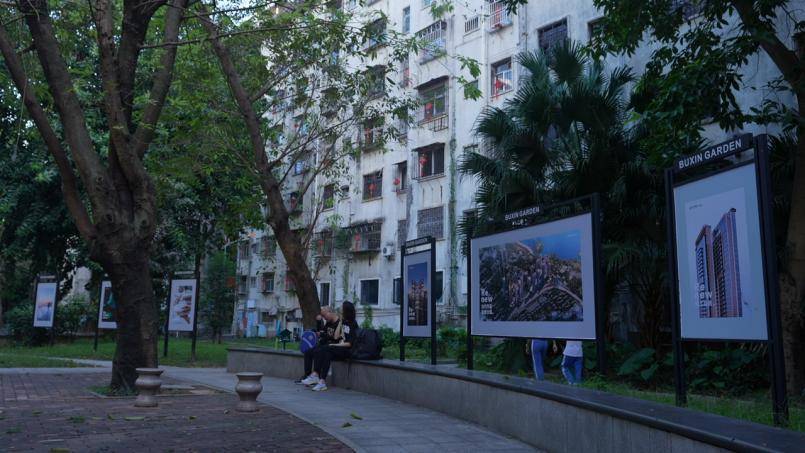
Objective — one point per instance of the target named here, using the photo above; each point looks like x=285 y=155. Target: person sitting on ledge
x=328 y=330
x=339 y=350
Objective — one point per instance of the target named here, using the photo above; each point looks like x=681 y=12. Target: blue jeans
x=539 y=349
x=571 y=368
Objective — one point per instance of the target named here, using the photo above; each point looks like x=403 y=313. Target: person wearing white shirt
x=572 y=362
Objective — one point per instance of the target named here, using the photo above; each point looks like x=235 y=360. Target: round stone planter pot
x=248 y=388
x=148 y=383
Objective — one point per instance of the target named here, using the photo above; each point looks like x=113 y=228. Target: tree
x=218 y=296
x=297 y=108
x=119 y=219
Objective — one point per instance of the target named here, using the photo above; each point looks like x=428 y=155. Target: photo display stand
x=560 y=276
x=105 y=297
x=721 y=256
x=181 y=310
x=46 y=300
x=417 y=277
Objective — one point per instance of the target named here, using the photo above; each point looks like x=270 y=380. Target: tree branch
x=72 y=197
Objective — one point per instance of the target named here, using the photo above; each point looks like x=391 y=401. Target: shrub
x=20 y=325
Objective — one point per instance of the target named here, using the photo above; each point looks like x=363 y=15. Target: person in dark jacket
x=338 y=350
x=328 y=328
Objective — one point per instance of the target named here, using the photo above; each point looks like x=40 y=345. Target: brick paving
x=57 y=413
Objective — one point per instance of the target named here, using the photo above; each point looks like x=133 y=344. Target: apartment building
x=409 y=189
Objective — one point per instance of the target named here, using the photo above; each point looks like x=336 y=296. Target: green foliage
x=20 y=326
x=368 y=317
x=731 y=370
x=217 y=296
x=73 y=314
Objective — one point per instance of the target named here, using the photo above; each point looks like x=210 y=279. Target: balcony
x=433 y=41
x=435 y=123
x=365 y=238
x=499 y=16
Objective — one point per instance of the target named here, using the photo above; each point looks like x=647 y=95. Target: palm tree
x=566 y=133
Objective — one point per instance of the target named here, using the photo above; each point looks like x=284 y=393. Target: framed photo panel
x=182 y=305
x=45 y=304
x=535 y=282
x=417 y=294
x=719 y=252
x=108 y=305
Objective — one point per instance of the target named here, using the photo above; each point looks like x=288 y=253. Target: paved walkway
x=365 y=422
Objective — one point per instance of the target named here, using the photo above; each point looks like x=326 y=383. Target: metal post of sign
x=469 y=307
x=402 y=303
x=55 y=306
x=773 y=316
x=167 y=316
x=197 y=276
x=673 y=282
x=600 y=308
x=432 y=278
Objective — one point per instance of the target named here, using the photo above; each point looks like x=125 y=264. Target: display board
x=45 y=304
x=181 y=312
x=417 y=295
x=535 y=282
x=108 y=306
x=720 y=258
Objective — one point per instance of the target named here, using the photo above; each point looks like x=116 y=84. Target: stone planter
x=248 y=388
x=148 y=383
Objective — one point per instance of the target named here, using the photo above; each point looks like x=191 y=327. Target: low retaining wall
x=548 y=416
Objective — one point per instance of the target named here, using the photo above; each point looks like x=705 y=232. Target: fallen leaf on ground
x=192 y=417
x=37 y=412
x=133 y=418
x=356 y=416
x=346 y=425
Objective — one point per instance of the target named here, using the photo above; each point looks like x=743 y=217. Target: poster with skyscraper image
x=719 y=257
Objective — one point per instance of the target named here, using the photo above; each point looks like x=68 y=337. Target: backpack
x=308 y=341
x=367 y=345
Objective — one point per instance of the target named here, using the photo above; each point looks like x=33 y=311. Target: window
x=502 y=77
x=594 y=29
x=406 y=20
x=405 y=74
x=499 y=15
x=252 y=282
x=427 y=3
x=243 y=250
x=328 y=196
x=470 y=149
x=372 y=135
x=268 y=282
x=395 y=296
x=375 y=34
x=430 y=222
x=269 y=246
x=243 y=285
x=434 y=101
x=253 y=251
x=369 y=291
x=430 y=160
x=373 y=185
x=323 y=244
x=400 y=177
x=324 y=294
x=376 y=78
x=300 y=166
x=365 y=237
x=266 y=317
x=472 y=24
x=433 y=40
x=438 y=287
x=402 y=231
x=552 y=35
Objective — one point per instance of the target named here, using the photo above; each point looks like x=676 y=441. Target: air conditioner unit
x=388 y=250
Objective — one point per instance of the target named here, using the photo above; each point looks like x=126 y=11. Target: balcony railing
x=472 y=24
x=434 y=41
x=499 y=16
x=435 y=123
x=365 y=238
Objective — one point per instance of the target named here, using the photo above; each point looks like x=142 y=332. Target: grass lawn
x=208 y=353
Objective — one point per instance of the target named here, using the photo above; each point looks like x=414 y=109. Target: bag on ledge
x=368 y=345
x=309 y=341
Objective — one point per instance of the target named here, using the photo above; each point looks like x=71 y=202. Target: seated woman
x=339 y=350
x=328 y=330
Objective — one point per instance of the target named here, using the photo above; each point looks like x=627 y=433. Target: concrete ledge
x=549 y=416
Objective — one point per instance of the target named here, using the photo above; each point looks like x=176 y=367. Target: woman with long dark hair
x=339 y=350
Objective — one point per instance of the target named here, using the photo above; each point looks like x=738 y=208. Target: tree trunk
x=792 y=279
x=292 y=249
x=137 y=318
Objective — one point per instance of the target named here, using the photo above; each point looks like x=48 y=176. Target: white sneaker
x=320 y=387
x=310 y=380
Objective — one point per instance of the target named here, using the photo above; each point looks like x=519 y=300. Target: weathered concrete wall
x=548 y=416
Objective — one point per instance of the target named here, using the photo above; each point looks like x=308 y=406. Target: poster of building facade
x=182 y=305
x=535 y=282
x=719 y=257
x=417 y=294
x=45 y=304
x=108 y=305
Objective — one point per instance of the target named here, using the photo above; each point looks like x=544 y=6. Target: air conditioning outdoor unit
x=388 y=250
